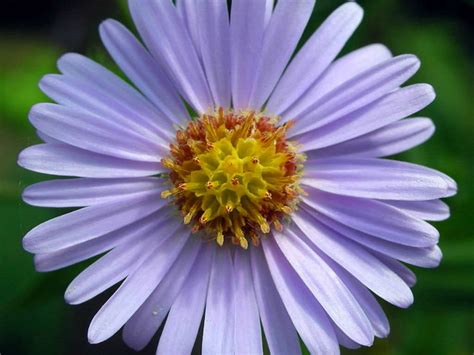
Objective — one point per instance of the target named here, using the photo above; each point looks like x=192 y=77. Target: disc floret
x=234 y=175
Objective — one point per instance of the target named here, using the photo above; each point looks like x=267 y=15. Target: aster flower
x=271 y=203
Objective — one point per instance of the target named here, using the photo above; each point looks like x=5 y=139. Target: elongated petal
x=280 y=333
x=281 y=37
x=315 y=56
x=90 y=222
x=86 y=96
x=167 y=38
x=83 y=192
x=340 y=71
x=248 y=341
x=143 y=70
x=113 y=267
x=326 y=287
x=423 y=257
x=377 y=178
x=398 y=104
x=136 y=288
x=64 y=160
x=356 y=260
x=188 y=11
x=247 y=28
x=392 y=139
x=431 y=210
x=219 y=320
x=401 y=270
x=184 y=318
x=358 y=92
x=367 y=301
x=309 y=318
x=95 y=133
x=88 y=71
x=374 y=218
x=214 y=42
x=82 y=251
x=139 y=330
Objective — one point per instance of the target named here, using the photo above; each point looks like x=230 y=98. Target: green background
x=33 y=316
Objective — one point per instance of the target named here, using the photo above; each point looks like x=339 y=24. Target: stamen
x=235 y=175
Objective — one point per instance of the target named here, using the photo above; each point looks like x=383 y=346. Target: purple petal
x=214 y=41
x=188 y=11
x=280 y=333
x=309 y=318
x=83 y=192
x=83 y=95
x=344 y=340
x=90 y=222
x=82 y=251
x=392 y=139
x=338 y=73
x=65 y=160
x=219 y=320
x=88 y=71
x=355 y=259
x=136 y=288
x=367 y=301
x=139 y=330
x=316 y=55
x=182 y=325
x=143 y=70
x=431 y=210
x=95 y=133
x=401 y=270
x=357 y=92
x=390 y=108
x=269 y=4
x=247 y=28
x=114 y=267
x=377 y=178
x=326 y=287
x=167 y=38
x=423 y=257
x=45 y=138
x=281 y=37
x=374 y=218
x=247 y=335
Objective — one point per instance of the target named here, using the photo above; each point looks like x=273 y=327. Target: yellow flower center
x=234 y=175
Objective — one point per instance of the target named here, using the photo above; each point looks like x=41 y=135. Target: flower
x=271 y=202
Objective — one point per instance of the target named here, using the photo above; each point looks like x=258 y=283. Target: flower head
x=271 y=205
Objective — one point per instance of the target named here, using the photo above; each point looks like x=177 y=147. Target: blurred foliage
x=33 y=316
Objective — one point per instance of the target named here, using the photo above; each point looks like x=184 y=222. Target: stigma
x=234 y=175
